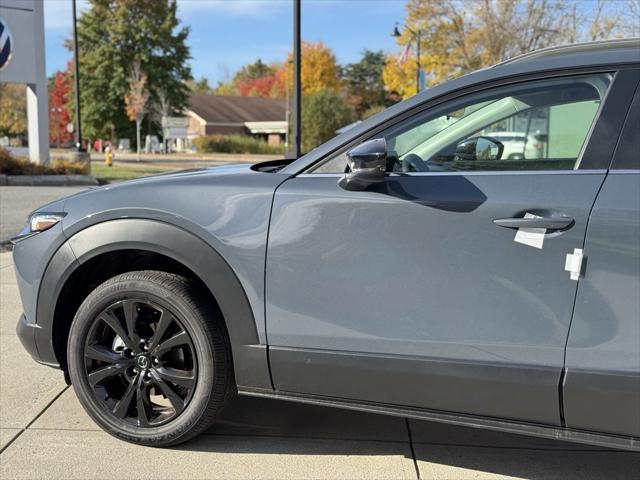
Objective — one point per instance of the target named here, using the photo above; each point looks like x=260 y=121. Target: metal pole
x=77 y=78
x=297 y=90
x=418 y=61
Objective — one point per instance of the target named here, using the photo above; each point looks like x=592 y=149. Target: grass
x=120 y=173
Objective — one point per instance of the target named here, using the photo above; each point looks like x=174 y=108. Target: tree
x=112 y=35
x=460 y=36
x=13 y=109
x=61 y=106
x=323 y=113
x=364 y=84
x=199 y=86
x=136 y=99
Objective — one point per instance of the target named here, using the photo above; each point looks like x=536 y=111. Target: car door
x=602 y=384
x=408 y=293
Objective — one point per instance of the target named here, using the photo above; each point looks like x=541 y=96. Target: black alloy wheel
x=140 y=362
x=149 y=358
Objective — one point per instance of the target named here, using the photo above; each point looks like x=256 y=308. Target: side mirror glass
x=367 y=165
x=479 y=148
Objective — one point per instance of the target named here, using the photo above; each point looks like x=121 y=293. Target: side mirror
x=367 y=164
x=479 y=148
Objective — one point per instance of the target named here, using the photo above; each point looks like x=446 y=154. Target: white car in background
x=519 y=145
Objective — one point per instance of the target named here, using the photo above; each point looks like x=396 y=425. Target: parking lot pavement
x=17 y=202
x=44 y=433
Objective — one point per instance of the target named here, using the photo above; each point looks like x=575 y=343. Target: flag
x=404 y=55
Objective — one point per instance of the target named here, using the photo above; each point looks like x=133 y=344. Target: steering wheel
x=416 y=162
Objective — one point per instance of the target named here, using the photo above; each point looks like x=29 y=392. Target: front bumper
x=30 y=334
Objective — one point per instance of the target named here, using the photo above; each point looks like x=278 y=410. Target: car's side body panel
x=409 y=294
x=214 y=224
x=602 y=385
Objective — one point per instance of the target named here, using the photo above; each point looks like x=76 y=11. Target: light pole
x=297 y=90
x=417 y=36
x=76 y=78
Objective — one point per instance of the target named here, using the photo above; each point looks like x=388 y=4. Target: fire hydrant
x=108 y=157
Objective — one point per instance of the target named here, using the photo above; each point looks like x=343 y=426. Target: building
x=263 y=118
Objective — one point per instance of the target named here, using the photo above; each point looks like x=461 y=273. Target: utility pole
x=76 y=79
x=297 y=90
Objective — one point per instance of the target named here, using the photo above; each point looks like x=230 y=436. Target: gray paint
x=226 y=207
x=419 y=269
x=602 y=386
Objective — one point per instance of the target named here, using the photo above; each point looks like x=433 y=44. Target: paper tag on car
x=533 y=237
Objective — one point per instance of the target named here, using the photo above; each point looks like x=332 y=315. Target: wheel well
x=98 y=270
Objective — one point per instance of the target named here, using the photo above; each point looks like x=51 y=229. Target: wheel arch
x=112 y=247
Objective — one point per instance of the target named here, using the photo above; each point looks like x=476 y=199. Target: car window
x=538 y=125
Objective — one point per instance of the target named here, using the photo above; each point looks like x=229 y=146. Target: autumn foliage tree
x=60 y=106
x=459 y=36
x=13 y=110
x=136 y=99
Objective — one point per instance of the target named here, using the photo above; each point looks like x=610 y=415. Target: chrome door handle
x=551 y=223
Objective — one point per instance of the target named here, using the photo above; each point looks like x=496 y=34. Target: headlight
x=44 y=221
x=38 y=222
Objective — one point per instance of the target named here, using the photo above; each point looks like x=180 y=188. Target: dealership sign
x=6 y=44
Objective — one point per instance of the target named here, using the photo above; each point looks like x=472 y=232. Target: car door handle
x=550 y=223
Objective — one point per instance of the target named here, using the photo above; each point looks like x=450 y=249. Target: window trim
x=623 y=76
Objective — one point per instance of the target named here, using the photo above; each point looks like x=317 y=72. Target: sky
x=227 y=34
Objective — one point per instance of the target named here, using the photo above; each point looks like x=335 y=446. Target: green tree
x=323 y=112
x=364 y=84
x=112 y=35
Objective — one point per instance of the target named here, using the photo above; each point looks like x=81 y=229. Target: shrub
x=10 y=165
x=235 y=144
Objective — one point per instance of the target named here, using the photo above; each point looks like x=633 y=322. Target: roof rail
x=573 y=48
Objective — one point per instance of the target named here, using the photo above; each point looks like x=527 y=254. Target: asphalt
x=45 y=434
x=17 y=202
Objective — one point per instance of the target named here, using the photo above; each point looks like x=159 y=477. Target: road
x=17 y=202
x=44 y=433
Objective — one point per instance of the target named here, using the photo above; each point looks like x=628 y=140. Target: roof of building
x=223 y=109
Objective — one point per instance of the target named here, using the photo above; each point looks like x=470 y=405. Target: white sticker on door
x=533 y=237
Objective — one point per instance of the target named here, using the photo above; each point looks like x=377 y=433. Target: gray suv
x=405 y=267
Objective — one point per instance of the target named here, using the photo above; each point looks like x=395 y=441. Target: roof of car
x=615 y=50
x=567 y=57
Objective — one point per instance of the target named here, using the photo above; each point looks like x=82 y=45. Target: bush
x=10 y=165
x=235 y=144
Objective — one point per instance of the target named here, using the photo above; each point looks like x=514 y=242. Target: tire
x=174 y=383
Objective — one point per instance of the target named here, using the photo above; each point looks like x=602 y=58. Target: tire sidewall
x=177 y=302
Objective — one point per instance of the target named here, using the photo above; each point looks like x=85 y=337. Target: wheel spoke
x=143 y=403
x=163 y=323
x=176 y=400
x=122 y=407
x=110 y=319
x=130 y=316
x=178 y=339
x=103 y=373
x=184 y=378
x=101 y=353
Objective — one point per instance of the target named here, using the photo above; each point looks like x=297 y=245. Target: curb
x=47 y=180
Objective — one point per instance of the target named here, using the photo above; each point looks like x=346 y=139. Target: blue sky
x=226 y=34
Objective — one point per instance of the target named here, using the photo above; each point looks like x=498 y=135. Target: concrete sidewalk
x=44 y=433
